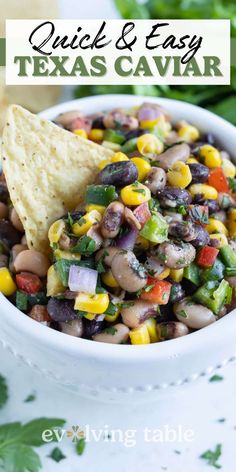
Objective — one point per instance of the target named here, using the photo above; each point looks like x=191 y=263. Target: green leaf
x=30 y=398
x=31 y=433
x=80 y=446
x=3 y=392
x=216 y=378
x=19 y=458
x=212 y=456
x=131 y=9
x=57 y=455
x=86 y=246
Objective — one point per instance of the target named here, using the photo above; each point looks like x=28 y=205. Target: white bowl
x=119 y=372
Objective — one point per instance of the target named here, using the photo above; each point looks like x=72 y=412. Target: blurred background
x=219 y=99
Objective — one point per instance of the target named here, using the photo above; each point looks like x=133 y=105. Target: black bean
x=202 y=237
x=9 y=234
x=75 y=215
x=184 y=230
x=92 y=327
x=4 y=194
x=199 y=173
x=98 y=122
x=176 y=293
x=173 y=197
x=213 y=205
x=119 y=174
x=209 y=138
x=135 y=133
x=61 y=310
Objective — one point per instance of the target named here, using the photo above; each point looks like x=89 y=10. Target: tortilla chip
x=47 y=170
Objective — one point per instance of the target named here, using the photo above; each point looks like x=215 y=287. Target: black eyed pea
x=119 y=118
x=66 y=118
x=154 y=266
x=112 y=220
x=115 y=334
x=171 y=197
x=172 y=330
x=202 y=237
x=135 y=313
x=32 y=261
x=15 y=220
x=106 y=255
x=176 y=255
x=14 y=253
x=156 y=179
x=193 y=315
x=3 y=210
x=128 y=272
x=73 y=327
x=95 y=234
x=179 y=152
x=119 y=174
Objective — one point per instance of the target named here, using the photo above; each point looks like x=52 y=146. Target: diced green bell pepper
x=230 y=271
x=155 y=229
x=100 y=194
x=192 y=273
x=214 y=295
x=21 y=300
x=129 y=146
x=228 y=256
x=114 y=136
x=216 y=272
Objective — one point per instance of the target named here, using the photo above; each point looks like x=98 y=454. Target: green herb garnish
x=85 y=246
x=3 y=392
x=212 y=456
x=216 y=378
x=110 y=330
x=57 y=455
x=30 y=398
x=80 y=446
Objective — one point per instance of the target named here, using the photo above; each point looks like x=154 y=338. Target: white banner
x=139 y=52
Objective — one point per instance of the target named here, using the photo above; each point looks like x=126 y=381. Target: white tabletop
x=194 y=411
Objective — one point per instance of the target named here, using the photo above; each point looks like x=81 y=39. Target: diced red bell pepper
x=142 y=213
x=207 y=256
x=159 y=293
x=29 y=283
x=218 y=180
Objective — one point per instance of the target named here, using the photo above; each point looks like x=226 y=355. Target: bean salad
x=150 y=253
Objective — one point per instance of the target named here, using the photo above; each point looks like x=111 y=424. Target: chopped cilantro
x=110 y=330
x=181 y=313
x=57 y=455
x=86 y=246
x=80 y=446
x=30 y=398
x=212 y=456
x=3 y=392
x=216 y=378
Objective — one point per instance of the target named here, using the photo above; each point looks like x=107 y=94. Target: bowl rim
x=72 y=345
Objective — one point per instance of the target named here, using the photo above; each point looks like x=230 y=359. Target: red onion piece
x=82 y=279
x=142 y=213
x=127 y=241
x=147 y=112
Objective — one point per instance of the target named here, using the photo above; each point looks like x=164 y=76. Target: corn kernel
x=56 y=230
x=112 y=318
x=142 y=242
x=164 y=274
x=135 y=194
x=92 y=206
x=232 y=223
x=207 y=192
x=188 y=133
x=149 y=144
x=143 y=167
x=151 y=325
x=108 y=279
x=96 y=134
x=112 y=146
x=84 y=224
x=7 y=284
x=192 y=160
x=229 y=168
x=210 y=156
x=140 y=335
x=97 y=303
x=179 y=175
x=216 y=226
x=54 y=284
x=81 y=132
x=90 y=316
x=119 y=157
x=223 y=241
x=176 y=275
x=103 y=164
x=147 y=124
x=59 y=254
